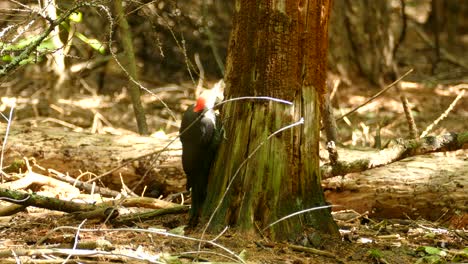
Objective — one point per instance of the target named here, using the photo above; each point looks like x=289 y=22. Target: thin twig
x=413 y=129
x=34 y=44
x=376 y=95
x=111 y=25
x=254 y=98
x=75 y=242
x=463 y=88
x=9 y=120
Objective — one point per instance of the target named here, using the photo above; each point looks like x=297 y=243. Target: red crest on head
x=200 y=105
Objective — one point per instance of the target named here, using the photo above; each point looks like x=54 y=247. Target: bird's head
x=206 y=100
x=200 y=105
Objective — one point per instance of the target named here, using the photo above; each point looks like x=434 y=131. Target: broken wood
x=431 y=186
x=85 y=156
x=400 y=150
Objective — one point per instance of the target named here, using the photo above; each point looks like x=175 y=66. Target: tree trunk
x=279 y=50
x=130 y=68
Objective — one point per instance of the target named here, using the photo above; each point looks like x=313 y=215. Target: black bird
x=198 y=134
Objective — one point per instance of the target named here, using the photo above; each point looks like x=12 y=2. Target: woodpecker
x=199 y=134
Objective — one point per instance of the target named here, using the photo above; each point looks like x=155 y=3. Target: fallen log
x=144 y=163
x=431 y=186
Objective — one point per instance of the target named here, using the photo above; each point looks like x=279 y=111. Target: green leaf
x=178 y=230
x=6 y=58
x=76 y=17
x=375 y=253
x=243 y=254
x=432 y=250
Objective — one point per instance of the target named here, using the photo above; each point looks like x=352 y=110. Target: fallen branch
x=430 y=186
x=401 y=150
x=41 y=201
x=375 y=96
x=130 y=219
x=88 y=187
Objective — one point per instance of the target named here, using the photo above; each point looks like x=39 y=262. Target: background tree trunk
x=130 y=68
x=276 y=50
x=361 y=39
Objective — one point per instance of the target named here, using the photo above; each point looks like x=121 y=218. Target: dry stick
x=413 y=130
x=335 y=86
x=9 y=119
x=300 y=122
x=316 y=252
x=74 y=252
x=23 y=5
x=75 y=242
x=186 y=253
x=166 y=148
x=449 y=109
x=82 y=185
x=375 y=96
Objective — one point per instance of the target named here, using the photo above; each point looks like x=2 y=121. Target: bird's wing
x=207 y=129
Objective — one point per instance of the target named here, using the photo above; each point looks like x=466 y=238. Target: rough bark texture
x=276 y=49
x=361 y=39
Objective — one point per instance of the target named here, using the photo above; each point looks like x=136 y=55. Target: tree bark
x=278 y=50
